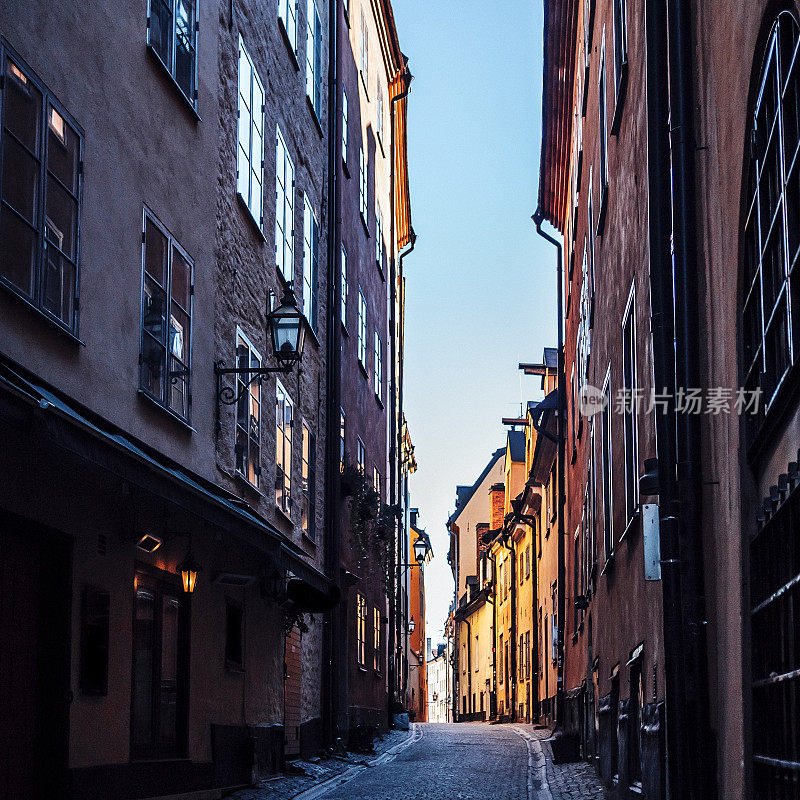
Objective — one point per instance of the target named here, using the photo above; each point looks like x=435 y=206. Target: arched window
x=771 y=287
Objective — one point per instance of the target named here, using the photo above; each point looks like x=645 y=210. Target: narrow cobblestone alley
x=469 y=761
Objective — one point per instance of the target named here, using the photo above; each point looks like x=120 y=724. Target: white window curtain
x=284 y=210
x=250 y=161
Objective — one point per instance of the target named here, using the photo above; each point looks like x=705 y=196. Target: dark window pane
x=58 y=290
x=17 y=251
x=63 y=150
x=161 y=29
x=20 y=179
x=62 y=218
x=155 y=252
x=143 y=635
x=184 y=47
x=168 y=694
x=181 y=279
x=241 y=449
x=178 y=387
x=152 y=371
x=23 y=107
x=154 y=310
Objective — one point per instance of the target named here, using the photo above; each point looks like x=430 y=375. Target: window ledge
x=633 y=524
x=191 y=107
x=364 y=82
x=240 y=479
x=344 y=330
x=362 y=668
x=608 y=567
x=313 y=334
x=601 y=214
x=288 y=43
x=345 y=167
x=622 y=89
x=363 y=369
x=51 y=320
x=236 y=669
x=379 y=401
x=249 y=214
x=308 y=540
x=284 y=514
x=148 y=398
x=364 y=223
x=314 y=116
x=379 y=137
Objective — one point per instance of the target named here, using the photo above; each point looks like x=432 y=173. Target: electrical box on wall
x=652 y=542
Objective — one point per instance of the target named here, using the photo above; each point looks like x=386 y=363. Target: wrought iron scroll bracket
x=227 y=395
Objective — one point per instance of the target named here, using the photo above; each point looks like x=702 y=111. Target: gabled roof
x=462 y=498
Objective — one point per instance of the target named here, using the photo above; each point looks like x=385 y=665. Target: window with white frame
x=378 y=235
x=310 y=264
x=376 y=639
x=308 y=478
x=362 y=329
x=344 y=127
x=606 y=463
x=343 y=298
x=167 y=289
x=250 y=161
x=589 y=254
x=376 y=483
x=362 y=183
x=287 y=13
x=172 y=34
x=284 y=209
x=361 y=628
x=248 y=412
x=314 y=59
x=41 y=196
x=361 y=456
x=630 y=393
x=620 y=44
x=378 y=366
x=364 y=51
x=602 y=132
x=284 y=415
x=379 y=112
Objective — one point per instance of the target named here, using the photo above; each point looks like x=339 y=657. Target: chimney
x=497 y=501
x=414 y=514
x=480 y=529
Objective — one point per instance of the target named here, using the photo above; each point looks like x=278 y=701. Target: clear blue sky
x=480 y=283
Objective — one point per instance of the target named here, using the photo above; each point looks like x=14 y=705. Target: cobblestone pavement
x=467 y=761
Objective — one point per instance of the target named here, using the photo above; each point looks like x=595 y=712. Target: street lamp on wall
x=188 y=570
x=287 y=333
x=421 y=549
x=411 y=625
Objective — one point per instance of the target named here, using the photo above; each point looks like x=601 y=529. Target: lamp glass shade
x=288 y=329
x=420 y=550
x=188 y=570
x=411 y=625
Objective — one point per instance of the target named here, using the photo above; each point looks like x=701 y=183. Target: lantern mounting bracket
x=227 y=395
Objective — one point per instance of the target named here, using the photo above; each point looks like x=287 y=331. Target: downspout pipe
x=331 y=635
x=395 y=469
x=512 y=677
x=697 y=782
x=538 y=218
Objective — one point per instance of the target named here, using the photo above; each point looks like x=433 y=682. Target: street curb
x=345 y=777
x=538 y=787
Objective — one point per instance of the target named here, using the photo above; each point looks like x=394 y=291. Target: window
x=527 y=655
x=344 y=288
x=361 y=457
x=553 y=639
x=314 y=59
x=364 y=51
x=376 y=640
x=603 y=135
x=589 y=254
x=95 y=629
x=342 y=428
x=344 y=127
x=521 y=658
x=361 y=611
x=308 y=478
x=376 y=483
x=160 y=657
x=346 y=4
x=378 y=366
x=500 y=658
x=310 y=264
x=771 y=279
x=635 y=717
x=606 y=457
x=379 y=112
x=620 y=48
x=362 y=329
x=250 y=164
x=378 y=236
x=248 y=413
x=521 y=568
x=172 y=35
x=234 y=635
x=362 y=184
x=42 y=152
x=630 y=389
x=284 y=413
x=528 y=561
x=167 y=288
x=287 y=14
x=284 y=209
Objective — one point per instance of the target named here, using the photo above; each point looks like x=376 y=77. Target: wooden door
x=292 y=674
